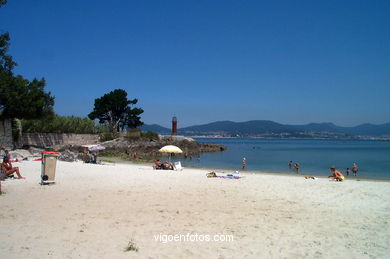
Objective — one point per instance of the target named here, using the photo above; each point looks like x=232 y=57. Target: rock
x=147 y=150
x=20 y=154
x=34 y=151
x=67 y=156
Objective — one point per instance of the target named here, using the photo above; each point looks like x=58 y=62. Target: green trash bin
x=48 y=169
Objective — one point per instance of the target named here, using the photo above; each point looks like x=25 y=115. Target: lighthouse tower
x=174 y=126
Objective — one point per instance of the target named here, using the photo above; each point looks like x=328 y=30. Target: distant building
x=174 y=126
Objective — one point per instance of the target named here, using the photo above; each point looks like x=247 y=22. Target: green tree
x=114 y=110
x=23 y=99
x=6 y=62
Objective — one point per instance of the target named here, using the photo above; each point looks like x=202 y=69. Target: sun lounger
x=178 y=166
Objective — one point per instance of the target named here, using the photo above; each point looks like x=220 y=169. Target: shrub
x=133 y=134
x=62 y=124
x=107 y=136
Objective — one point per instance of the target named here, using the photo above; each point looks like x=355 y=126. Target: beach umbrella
x=170 y=149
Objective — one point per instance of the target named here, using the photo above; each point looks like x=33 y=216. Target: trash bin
x=48 y=170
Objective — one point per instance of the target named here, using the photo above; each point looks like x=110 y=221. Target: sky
x=292 y=62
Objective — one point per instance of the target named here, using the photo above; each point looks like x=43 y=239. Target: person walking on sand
x=243 y=163
x=336 y=174
x=8 y=169
x=355 y=169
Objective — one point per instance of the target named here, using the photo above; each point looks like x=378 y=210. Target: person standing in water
x=297 y=167
x=355 y=169
x=243 y=163
x=290 y=165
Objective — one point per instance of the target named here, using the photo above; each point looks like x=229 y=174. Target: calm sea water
x=314 y=156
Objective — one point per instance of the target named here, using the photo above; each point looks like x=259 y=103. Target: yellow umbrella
x=170 y=149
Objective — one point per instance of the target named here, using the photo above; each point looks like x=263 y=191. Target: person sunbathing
x=167 y=166
x=157 y=165
x=8 y=169
x=336 y=174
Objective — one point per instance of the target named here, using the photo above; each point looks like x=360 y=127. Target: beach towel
x=229 y=177
x=211 y=174
x=234 y=175
x=310 y=177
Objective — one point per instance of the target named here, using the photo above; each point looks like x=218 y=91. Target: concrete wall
x=51 y=139
x=6 y=134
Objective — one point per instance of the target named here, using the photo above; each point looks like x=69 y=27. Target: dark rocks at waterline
x=148 y=150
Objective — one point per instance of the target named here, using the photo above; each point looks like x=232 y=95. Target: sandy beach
x=94 y=211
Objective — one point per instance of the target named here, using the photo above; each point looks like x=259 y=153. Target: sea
x=315 y=156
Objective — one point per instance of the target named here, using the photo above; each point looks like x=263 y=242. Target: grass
x=110 y=154
x=131 y=246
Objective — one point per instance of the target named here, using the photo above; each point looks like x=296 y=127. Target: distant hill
x=371 y=130
x=237 y=128
x=319 y=127
x=271 y=128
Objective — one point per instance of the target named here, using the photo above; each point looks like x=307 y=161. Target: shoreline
x=258 y=172
x=366 y=138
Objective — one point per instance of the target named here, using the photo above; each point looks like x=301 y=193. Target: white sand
x=93 y=211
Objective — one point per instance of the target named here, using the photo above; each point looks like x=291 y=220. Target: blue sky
x=292 y=62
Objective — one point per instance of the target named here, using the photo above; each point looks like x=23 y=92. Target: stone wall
x=51 y=139
x=6 y=134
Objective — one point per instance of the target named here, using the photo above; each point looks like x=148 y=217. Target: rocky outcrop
x=141 y=149
x=67 y=156
x=148 y=150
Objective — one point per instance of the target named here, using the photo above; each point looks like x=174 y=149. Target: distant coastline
x=270 y=129
x=298 y=138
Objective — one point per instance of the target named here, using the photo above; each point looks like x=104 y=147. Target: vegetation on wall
x=62 y=124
